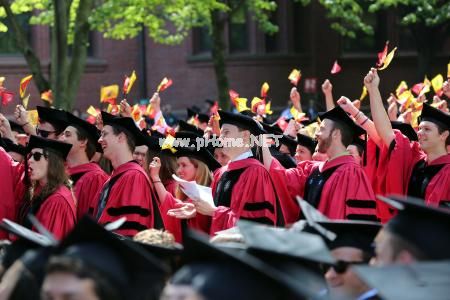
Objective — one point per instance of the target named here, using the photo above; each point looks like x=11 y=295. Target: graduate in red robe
x=178 y=210
x=128 y=192
x=52 y=200
x=87 y=177
x=419 y=169
x=242 y=189
x=338 y=187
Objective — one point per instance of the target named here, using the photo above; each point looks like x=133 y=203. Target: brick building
x=304 y=41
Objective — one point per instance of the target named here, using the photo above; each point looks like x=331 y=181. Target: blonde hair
x=203 y=177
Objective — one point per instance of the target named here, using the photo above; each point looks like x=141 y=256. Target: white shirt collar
x=368 y=294
x=244 y=155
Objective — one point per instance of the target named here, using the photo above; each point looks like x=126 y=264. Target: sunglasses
x=36 y=156
x=44 y=133
x=342 y=266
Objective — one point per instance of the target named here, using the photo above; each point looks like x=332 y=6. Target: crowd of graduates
x=349 y=205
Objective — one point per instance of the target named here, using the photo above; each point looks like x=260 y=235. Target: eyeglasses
x=36 y=156
x=44 y=133
x=342 y=266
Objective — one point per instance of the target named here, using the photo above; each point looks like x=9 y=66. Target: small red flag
x=336 y=68
x=233 y=95
x=382 y=55
x=23 y=85
x=7 y=97
x=417 y=88
x=264 y=90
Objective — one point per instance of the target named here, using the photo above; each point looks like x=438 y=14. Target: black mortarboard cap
x=352 y=233
x=290 y=143
x=435 y=115
x=184 y=126
x=222 y=273
x=307 y=142
x=203 y=118
x=337 y=114
x=152 y=142
x=241 y=121
x=271 y=128
x=416 y=281
x=125 y=123
x=9 y=146
x=425 y=227
x=91 y=131
x=60 y=148
x=210 y=102
x=405 y=129
x=125 y=264
x=16 y=127
x=56 y=117
x=201 y=154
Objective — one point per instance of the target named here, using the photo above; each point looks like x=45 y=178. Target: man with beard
x=338 y=187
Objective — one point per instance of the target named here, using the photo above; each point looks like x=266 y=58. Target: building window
x=91 y=45
x=202 y=40
x=238 y=31
x=8 y=43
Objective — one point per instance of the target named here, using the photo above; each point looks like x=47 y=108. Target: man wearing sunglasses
x=52 y=122
x=353 y=245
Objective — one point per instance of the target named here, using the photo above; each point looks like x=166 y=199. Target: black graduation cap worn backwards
x=126 y=123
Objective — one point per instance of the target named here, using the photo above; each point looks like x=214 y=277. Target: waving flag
x=264 y=90
x=23 y=85
x=388 y=59
x=47 y=96
x=437 y=82
x=401 y=88
x=128 y=83
x=363 y=94
x=336 y=68
x=7 y=97
x=295 y=76
x=109 y=94
x=165 y=83
x=255 y=103
x=382 y=55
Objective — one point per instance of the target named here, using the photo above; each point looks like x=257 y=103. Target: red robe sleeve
x=253 y=197
x=348 y=194
x=438 y=190
x=11 y=188
x=173 y=225
x=170 y=186
x=57 y=213
x=87 y=189
x=132 y=197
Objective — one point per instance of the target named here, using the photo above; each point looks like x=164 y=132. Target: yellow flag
x=129 y=81
x=448 y=71
x=33 y=115
x=23 y=85
x=405 y=98
x=109 y=93
x=426 y=87
x=296 y=114
x=388 y=59
x=264 y=90
x=255 y=103
x=401 y=88
x=25 y=101
x=2 y=79
x=437 y=83
x=241 y=104
x=268 y=110
x=363 y=94
x=92 y=111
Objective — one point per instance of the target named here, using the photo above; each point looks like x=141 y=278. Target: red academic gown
x=347 y=194
x=11 y=188
x=396 y=166
x=173 y=225
x=251 y=197
x=170 y=186
x=58 y=212
x=130 y=196
x=88 y=180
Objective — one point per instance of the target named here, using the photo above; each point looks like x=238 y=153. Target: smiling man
x=128 y=193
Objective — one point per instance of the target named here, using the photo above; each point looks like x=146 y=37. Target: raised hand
x=154 y=168
x=372 y=80
x=295 y=97
x=327 y=87
x=125 y=108
x=347 y=106
x=21 y=115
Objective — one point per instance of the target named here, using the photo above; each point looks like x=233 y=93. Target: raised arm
x=23 y=120
x=361 y=119
x=154 y=168
x=327 y=89
x=379 y=115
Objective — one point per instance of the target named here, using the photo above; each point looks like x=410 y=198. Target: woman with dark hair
x=177 y=209
x=49 y=196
